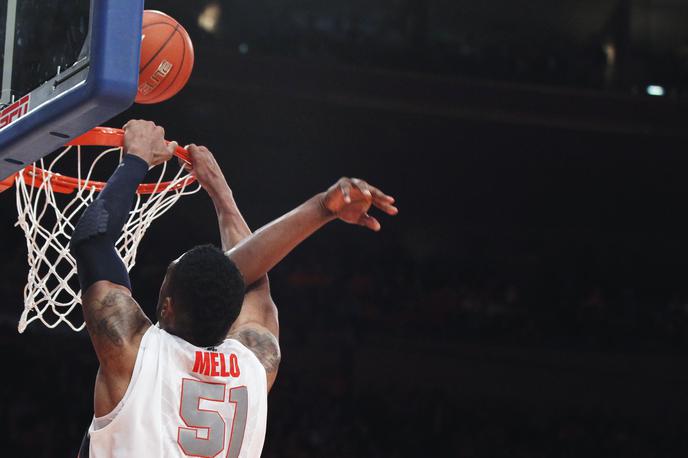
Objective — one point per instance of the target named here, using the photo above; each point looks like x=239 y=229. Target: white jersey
x=186 y=401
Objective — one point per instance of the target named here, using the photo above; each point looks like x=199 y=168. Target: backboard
x=67 y=66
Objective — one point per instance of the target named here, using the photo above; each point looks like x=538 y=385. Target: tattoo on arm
x=263 y=344
x=114 y=319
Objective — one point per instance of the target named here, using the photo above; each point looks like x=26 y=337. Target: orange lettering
x=234 y=366
x=202 y=363
x=213 y=357
x=223 y=367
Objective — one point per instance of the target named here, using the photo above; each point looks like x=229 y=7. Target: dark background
x=529 y=300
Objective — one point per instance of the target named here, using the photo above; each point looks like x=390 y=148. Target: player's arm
x=349 y=200
x=257 y=326
x=114 y=320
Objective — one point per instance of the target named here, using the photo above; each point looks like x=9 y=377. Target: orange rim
x=99 y=136
x=7 y=182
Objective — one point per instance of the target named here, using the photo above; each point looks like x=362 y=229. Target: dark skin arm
x=257 y=326
x=116 y=325
x=255 y=254
x=349 y=200
x=114 y=320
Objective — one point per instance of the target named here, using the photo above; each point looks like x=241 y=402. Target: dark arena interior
x=531 y=298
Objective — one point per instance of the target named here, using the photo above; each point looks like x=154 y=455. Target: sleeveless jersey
x=186 y=401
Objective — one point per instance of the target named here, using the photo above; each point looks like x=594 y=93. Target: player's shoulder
x=261 y=342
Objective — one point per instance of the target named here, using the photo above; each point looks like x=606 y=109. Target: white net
x=47 y=217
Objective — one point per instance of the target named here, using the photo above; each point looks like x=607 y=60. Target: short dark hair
x=207 y=289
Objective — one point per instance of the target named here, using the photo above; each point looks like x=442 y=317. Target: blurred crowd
x=46 y=401
x=335 y=299
x=384 y=292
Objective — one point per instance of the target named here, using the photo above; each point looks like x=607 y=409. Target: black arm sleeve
x=94 y=237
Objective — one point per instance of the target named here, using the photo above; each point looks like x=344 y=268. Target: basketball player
x=196 y=383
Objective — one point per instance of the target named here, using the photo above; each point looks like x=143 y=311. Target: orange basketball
x=167 y=58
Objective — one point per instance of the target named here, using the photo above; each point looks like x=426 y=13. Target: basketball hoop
x=49 y=205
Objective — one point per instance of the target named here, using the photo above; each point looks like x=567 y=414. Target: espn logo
x=156 y=78
x=14 y=111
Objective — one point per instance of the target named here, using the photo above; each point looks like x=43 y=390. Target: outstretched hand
x=350 y=199
x=147 y=141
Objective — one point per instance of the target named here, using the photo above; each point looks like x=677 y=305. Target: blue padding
x=95 y=235
x=110 y=89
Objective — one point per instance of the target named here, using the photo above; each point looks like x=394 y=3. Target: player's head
x=201 y=296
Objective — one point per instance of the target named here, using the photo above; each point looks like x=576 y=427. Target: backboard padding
x=99 y=85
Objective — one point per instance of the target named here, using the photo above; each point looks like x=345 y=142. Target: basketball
x=167 y=58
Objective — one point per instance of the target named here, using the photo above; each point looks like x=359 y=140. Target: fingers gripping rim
x=99 y=136
x=108 y=136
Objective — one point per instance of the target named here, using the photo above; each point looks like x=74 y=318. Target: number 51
x=196 y=419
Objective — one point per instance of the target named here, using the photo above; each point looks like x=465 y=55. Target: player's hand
x=147 y=141
x=349 y=199
x=206 y=170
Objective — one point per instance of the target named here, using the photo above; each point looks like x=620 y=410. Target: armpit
x=263 y=344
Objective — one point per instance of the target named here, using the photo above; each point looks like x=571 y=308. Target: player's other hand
x=350 y=199
x=206 y=170
x=147 y=141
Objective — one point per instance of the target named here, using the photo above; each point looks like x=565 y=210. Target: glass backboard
x=67 y=66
